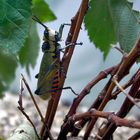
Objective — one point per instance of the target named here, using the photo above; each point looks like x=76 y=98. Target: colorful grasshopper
x=50 y=68
x=49 y=73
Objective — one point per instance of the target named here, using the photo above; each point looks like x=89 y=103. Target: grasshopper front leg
x=61 y=30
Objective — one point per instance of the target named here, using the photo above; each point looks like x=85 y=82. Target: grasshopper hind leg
x=64 y=89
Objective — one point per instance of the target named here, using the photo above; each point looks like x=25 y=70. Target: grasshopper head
x=51 y=35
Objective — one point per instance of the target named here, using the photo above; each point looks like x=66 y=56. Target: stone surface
x=11 y=118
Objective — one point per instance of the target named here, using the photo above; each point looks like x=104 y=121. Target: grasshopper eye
x=46 y=33
x=45 y=46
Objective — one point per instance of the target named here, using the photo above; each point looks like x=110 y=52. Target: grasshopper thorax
x=45 y=46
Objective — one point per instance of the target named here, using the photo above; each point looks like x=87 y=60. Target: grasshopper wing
x=48 y=69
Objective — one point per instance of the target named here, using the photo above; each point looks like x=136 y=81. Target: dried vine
x=73 y=122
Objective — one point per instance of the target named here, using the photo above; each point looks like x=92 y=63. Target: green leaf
x=110 y=21
x=14 y=24
x=8 y=65
x=99 y=25
x=42 y=10
x=126 y=24
x=28 y=54
x=2 y=88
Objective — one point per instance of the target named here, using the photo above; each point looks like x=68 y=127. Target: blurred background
x=87 y=61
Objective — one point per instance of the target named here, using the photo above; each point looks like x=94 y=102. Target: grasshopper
x=48 y=76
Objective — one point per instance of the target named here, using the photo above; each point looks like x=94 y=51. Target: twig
x=20 y=107
x=79 y=125
x=100 y=98
x=97 y=102
x=110 y=116
x=20 y=94
x=36 y=106
x=32 y=97
x=124 y=109
x=126 y=63
x=72 y=38
x=119 y=49
x=125 y=86
x=76 y=23
x=125 y=93
x=84 y=92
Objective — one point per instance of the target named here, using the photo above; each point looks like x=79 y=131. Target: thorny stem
x=125 y=108
x=76 y=22
x=110 y=116
x=79 y=125
x=84 y=92
x=72 y=38
x=95 y=104
x=126 y=64
x=43 y=132
x=120 y=72
x=50 y=107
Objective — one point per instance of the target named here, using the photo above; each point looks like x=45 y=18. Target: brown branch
x=95 y=104
x=107 y=115
x=123 y=70
x=86 y=90
x=126 y=85
x=32 y=97
x=123 y=91
x=74 y=31
x=65 y=128
x=72 y=38
x=36 y=106
x=125 y=108
x=79 y=125
x=43 y=132
x=127 y=62
x=20 y=107
x=117 y=91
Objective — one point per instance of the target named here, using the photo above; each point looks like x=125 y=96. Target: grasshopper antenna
x=35 y=18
